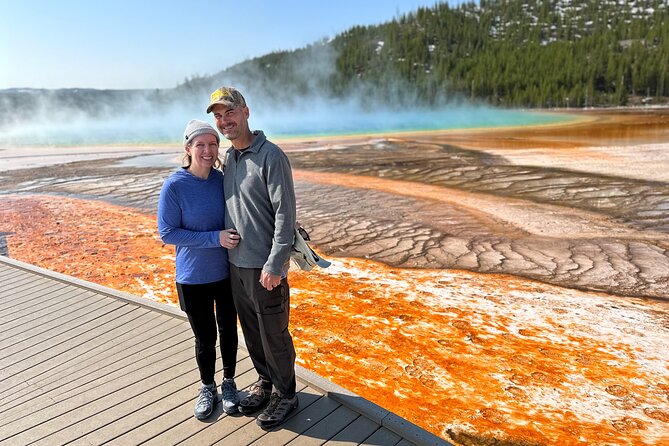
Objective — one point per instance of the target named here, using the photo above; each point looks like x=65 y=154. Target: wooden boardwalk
x=84 y=364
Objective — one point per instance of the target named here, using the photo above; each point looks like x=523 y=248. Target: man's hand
x=228 y=238
x=269 y=281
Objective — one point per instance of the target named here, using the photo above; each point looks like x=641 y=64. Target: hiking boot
x=230 y=399
x=204 y=405
x=255 y=400
x=276 y=411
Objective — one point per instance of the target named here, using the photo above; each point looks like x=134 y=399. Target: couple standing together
x=233 y=234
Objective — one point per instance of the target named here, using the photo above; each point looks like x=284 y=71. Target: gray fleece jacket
x=260 y=205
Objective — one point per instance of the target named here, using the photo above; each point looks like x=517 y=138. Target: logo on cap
x=228 y=96
x=220 y=93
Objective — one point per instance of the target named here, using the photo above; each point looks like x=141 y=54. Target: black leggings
x=198 y=303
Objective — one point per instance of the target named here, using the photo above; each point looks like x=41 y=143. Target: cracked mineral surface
x=503 y=286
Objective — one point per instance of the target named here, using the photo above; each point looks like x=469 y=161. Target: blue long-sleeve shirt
x=191 y=213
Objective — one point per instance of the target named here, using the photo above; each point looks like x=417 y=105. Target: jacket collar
x=257 y=143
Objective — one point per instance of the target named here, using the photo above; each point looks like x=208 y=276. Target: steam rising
x=298 y=108
x=150 y=124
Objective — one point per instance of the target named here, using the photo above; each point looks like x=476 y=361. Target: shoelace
x=274 y=401
x=256 y=389
x=206 y=397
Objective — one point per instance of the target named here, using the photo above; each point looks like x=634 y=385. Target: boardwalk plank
x=179 y=424
x=326 y=428
x=117 y=333
x=250 y=432
x=360 y=428
x=296 y=426
x=32 y=299
x=4 y=269
x=113 y=349
x=69 y=392
x=44 y=319
x=29 y=307
x=50 y=339
x=127 y=355
x=46 y=351
x=17 y=360
x=125 y=423
x=54 y=296
x=10 y=277
x=183 y=383
x=132 y=368
x=27 y=297
x=382 y=437
x=14 y=402
x=174 y=371
x=243 y=431
x=17 y=283
x=25 y=291
x=99 y=355
x=14 y=275
x=182 y=431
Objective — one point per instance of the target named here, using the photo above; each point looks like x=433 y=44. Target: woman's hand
x=228 y=238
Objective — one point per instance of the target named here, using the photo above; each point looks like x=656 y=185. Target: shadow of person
x=347 y=418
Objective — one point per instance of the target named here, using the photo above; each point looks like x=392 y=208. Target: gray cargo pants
x=263 y=316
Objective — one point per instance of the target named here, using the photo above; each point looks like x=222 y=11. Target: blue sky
x=157 y=44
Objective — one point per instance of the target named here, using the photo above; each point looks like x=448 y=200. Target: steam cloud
x=300 y=107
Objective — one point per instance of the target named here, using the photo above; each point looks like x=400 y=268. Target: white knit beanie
x=196 y=127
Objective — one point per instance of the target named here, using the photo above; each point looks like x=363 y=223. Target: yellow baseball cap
x=227 y=96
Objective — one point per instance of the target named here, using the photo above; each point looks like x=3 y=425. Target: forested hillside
x=512 y=53
x=541 y=53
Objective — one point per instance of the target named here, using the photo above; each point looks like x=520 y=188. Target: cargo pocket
x=275 y=302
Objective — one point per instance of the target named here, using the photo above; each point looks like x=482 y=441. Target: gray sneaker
x=277 y=411
x=204 y=405
x=230 y=399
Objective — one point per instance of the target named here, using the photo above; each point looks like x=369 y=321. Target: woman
x=191 y=215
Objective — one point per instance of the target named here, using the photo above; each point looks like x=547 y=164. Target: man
x=260 y=203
